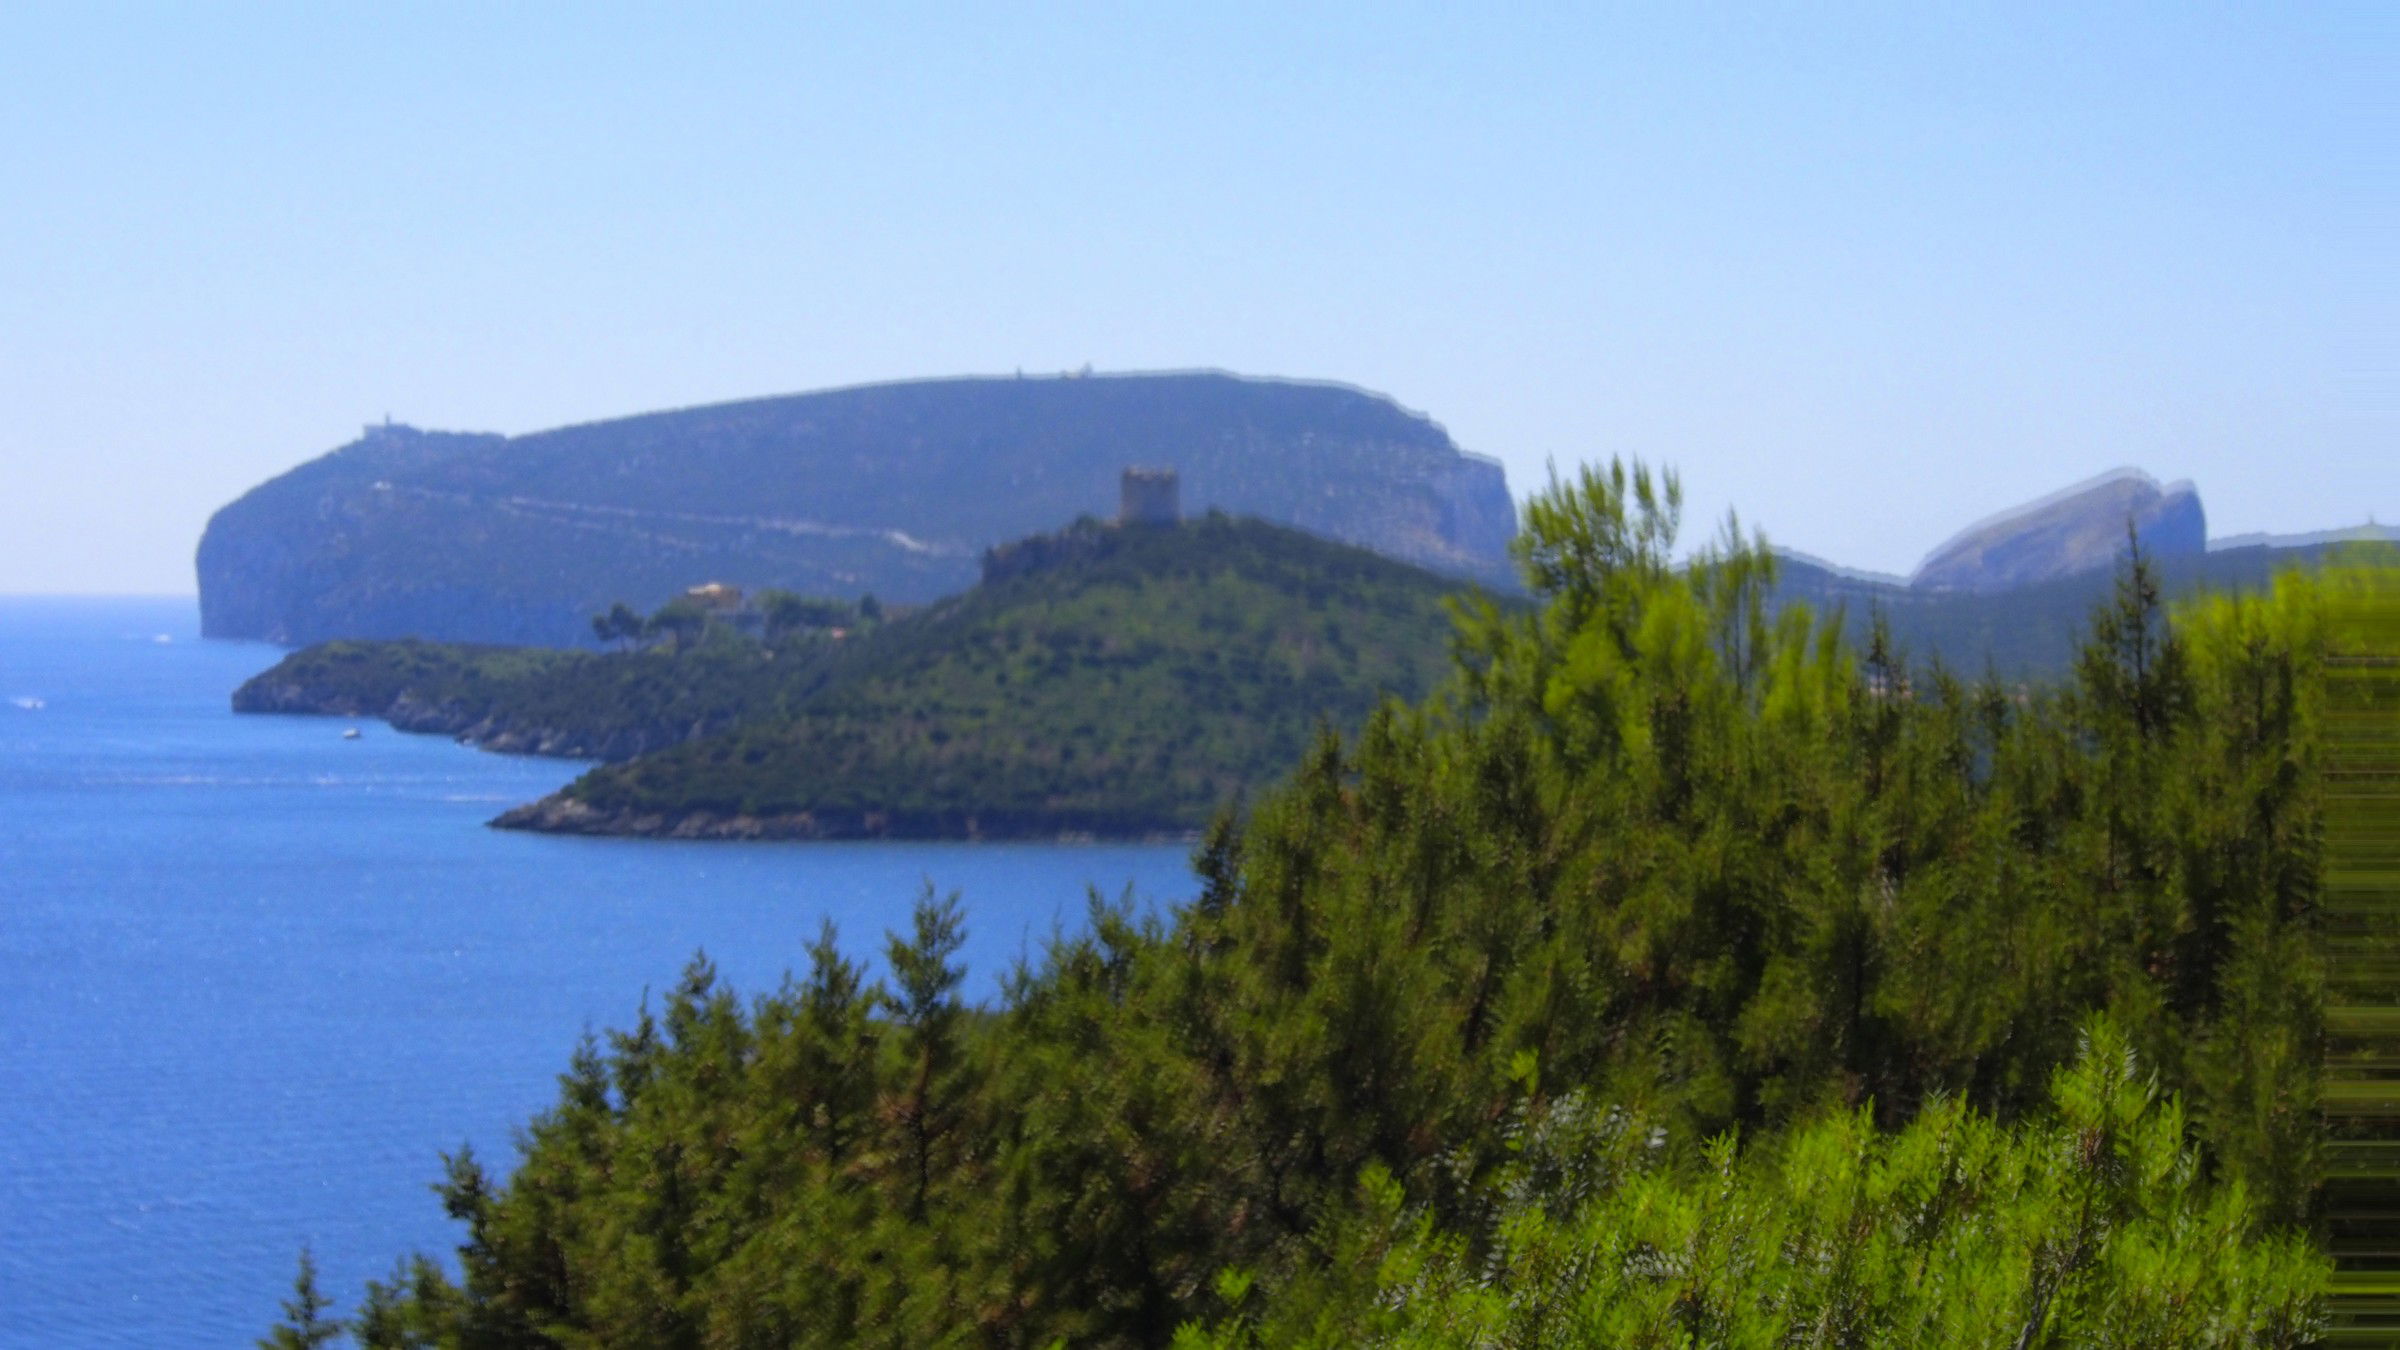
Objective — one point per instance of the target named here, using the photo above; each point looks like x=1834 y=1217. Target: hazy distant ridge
x=2353 y=534
x=893 y=489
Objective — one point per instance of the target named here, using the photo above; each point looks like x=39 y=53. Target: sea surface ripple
x=256 y=978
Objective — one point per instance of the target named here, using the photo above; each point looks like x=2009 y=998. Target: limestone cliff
x=890 y=489
x=2081 y=529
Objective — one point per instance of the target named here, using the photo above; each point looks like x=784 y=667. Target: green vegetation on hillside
x=575 y=703
x=1672 y=978
x=1107 y=680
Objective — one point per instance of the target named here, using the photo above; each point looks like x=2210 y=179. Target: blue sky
x=1865 y=274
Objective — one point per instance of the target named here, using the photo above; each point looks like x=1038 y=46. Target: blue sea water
x=255 y=978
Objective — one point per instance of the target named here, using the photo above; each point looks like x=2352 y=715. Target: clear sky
x=1863 y=274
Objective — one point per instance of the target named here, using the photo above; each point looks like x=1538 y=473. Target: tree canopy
x=1672 y=976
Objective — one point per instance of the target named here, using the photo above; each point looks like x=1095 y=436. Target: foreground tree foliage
x=307 y=1321
x=2090 y=1228
x=1674 y=978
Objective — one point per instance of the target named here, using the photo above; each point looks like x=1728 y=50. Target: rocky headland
x=892 y=490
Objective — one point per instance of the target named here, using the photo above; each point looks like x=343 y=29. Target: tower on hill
x=1149 y=497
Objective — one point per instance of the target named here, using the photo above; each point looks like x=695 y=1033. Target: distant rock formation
x=2369 y=533
x=2077 y=530
x=893 y=489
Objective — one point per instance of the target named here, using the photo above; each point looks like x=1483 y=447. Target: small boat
x=29 y=703
x=351 y=734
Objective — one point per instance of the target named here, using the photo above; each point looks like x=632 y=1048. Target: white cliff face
x=2080 y=529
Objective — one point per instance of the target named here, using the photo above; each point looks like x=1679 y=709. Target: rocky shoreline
x=560 y=813
x=462 y=722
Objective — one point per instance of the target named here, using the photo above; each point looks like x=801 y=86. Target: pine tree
x=307 y=1321
x=1669 y=941
x=927 y=1009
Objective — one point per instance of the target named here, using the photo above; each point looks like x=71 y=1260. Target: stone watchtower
x=1149 y=497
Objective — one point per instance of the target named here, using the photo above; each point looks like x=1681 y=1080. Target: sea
x=256 y=977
